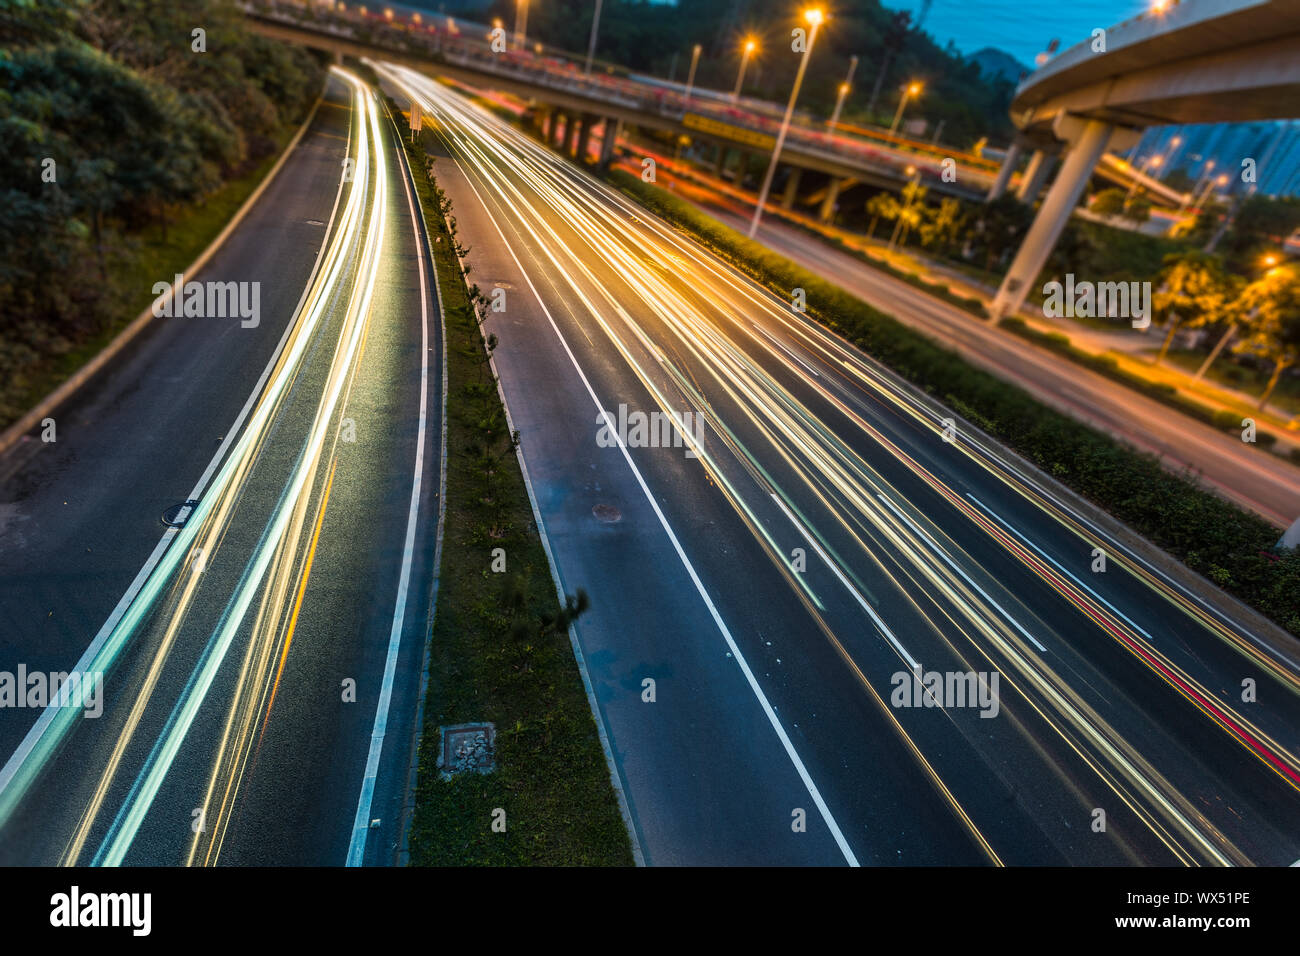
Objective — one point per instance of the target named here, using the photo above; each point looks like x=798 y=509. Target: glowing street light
x=521 y=24
x=843 y=92
x=746 y=52
x=911 y=91
x=814 y=17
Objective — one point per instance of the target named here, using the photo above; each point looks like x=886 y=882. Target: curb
x=18 y=429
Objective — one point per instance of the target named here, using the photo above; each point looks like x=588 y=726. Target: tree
x=942 y=226
x=1108 y=202
x=882 y=206
x=1192 y=290
x=1271 y=305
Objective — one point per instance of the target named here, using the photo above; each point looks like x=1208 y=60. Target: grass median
x=500 y=647
x=1228 y=545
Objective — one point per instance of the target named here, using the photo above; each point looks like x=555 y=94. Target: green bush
x=1209 y=534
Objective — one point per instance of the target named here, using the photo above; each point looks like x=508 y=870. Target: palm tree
x=1193 y=291
x=1273 y=304
x=882 y=205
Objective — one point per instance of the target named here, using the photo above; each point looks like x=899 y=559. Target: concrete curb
x=50 y=402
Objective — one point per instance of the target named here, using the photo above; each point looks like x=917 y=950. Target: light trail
x=708 y=314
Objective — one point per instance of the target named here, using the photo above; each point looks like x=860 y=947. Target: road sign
x=417 y=118
x=737 y=134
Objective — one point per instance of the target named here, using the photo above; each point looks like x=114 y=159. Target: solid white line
x=361 y=824
x=690 y=568
x=38 y=730
x=866 y=605
x=956 y=567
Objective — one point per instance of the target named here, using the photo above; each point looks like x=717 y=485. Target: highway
x=261 y=657
x=830 y=531
x=1251 y=477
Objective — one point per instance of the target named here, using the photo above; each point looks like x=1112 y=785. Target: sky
x=1020 y=27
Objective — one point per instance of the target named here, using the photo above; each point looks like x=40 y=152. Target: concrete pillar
x=571 y=135
x=1004 y=174
x=1084 y=151
x=608 y=140
x=548 y=126
x=584 y=136
x=791 y=187
x=720 y=168
x=827 y=211
x=1036 y=173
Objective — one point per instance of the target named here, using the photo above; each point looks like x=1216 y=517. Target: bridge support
x=720 y=168
x=827 y=211
x=584 y=137
x=791 y=187
x=571 y=134
x=1087 y=143
x=608 y=140
x=1004 y=174
x=548 y=126
x=1035 y=177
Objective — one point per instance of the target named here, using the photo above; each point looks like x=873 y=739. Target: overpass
x=571 y=104
x=1198 y=61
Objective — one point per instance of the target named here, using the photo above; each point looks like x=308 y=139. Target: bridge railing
x=440 y=40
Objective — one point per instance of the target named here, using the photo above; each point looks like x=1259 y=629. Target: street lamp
x=914 y=177
x=910 y=91
x=747 y=51
x=843 y=92
x=814 y=16
x=521 y=24
x=591 y=44
x=690 y=77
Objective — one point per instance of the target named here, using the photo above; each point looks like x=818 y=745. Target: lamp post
x=843 y=92
x=814 y=17
x=690 y=77
x=914 y=177
x=591 y=44
x=746 y=52
x=912 y=89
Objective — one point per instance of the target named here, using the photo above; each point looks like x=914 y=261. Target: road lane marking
x=966 y=577
x=34 y=736
x=361 y=823
x=766 y=706
x=857 y=595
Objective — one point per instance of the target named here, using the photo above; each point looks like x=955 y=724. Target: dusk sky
x=1020 y=28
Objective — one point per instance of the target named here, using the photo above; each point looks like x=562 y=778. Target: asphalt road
x=1252 y=478
x=778 y=588
x=262 y=662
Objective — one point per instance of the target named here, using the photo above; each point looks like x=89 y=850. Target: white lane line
x=361 y=824
x=1056 y=564
x=39 y=729
x=798 y=763
x=786 y=349
x=966 y=577
x=866 y=605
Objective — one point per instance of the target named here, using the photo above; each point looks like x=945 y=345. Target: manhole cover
x=177 y=515
x=607 y=514
x=467 y=748
x=314 y=222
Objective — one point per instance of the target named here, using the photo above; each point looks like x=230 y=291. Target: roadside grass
x=144 y=258
x=500 y=649
x=1215 y=538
